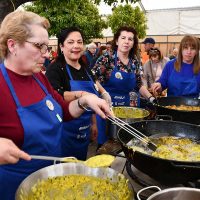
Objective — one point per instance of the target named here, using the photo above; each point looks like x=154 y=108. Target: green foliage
x=110 y=2
x=80 y=13
x=128 y=16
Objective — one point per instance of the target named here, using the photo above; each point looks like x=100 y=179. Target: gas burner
x=141 y=180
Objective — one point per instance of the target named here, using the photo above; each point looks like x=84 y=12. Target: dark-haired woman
x=119 y=73
x=72 y=79
x=181 y=76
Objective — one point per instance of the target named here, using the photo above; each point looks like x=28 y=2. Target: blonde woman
x=31 y=111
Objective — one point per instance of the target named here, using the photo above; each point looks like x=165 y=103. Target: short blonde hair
x=16 y=26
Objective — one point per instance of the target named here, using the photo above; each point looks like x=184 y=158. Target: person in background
x=31 y=111
x=152 y=69
x=181 y=76
x=109 y=47
x=101 y=51
x=98 y=44
x=89 y=55
x=72 y=78
x=119 y=73
x=148 y=44
x=174 y=54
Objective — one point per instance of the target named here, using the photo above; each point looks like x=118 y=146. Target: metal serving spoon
x=103 y=160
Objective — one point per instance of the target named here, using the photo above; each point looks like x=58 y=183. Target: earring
x=61 y=51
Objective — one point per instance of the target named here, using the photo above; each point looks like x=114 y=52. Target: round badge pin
x=118 y=75
x=96 y=87
x=49 y=105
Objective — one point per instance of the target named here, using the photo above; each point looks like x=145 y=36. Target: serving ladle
x=102 y=160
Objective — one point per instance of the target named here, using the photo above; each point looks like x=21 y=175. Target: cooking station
x=140 y=180
x=144 y=171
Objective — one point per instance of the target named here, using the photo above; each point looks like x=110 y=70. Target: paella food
x=80 y=187
x=129 y=112
x=103 y=160
x=100 y=161
x=174 y=148
x=184 y=107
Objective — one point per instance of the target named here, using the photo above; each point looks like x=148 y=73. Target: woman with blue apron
x=181 y=76
x=76 y=133
x=42 y=134
x=118 y=86
x=182 y=85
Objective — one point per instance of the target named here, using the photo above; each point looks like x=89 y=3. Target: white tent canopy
x=167 y=17
x=173 y=22
x=167 y=4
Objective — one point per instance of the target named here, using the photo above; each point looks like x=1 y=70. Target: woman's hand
x=94 y=132
x=156 y=88
x=105 y=95
x=94 y=129
x=90 y=102
x=10 y=153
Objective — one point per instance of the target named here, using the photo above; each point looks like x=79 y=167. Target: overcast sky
x=156 y=4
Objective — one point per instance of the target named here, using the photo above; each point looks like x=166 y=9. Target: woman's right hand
x=156 y=88
x=10 y=153
x=89 y=102
x=107 y=98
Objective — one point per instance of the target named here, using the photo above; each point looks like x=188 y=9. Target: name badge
x=50 y=105
x=118 y=75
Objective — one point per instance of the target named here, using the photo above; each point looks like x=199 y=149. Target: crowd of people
x=58 y=112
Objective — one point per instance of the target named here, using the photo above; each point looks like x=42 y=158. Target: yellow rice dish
x=103 y=160
x=80 y=187
x=184 y=108
x=129 y=112
x=173 y=148
x=100 y=161
x=181 y=149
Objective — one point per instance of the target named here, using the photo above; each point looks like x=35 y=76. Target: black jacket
x=59 y=78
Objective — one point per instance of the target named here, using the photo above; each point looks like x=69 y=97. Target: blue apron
x=42 y=134
x=76 y=133
x=182 y=86
x=118 y=86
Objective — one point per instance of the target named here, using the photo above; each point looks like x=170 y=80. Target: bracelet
x=81 y=106
x=150 y=97
x=104 y=93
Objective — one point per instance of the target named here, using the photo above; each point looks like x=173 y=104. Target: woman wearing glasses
x=119 y=73
x=73 y=79
x=181 y=76
x=152 y=69
x=31 y=111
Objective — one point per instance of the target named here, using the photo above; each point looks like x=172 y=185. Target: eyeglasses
x=42 y=47
x=154 y=50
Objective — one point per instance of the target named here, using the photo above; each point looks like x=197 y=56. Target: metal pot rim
x=173 y=189
x=62 y=169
